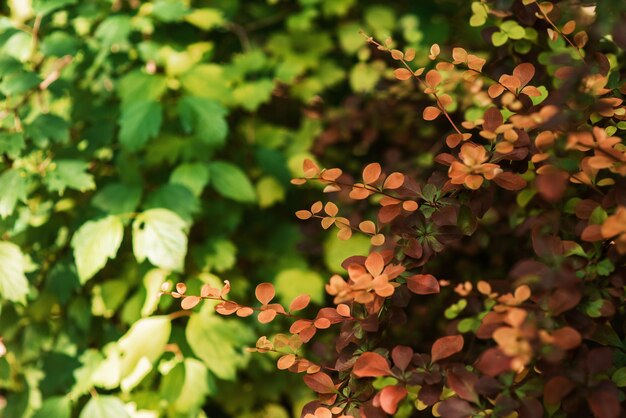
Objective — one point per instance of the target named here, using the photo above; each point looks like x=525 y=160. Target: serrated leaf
x=139 y=122
x=140 y=86
x=159 y=235
x=176 y=198
x=13 y=282
x=219 y=344
x=94 y=243
x=13 y=187
x=56 y=406
x=140 y=347
x=104 y=406
x=69 y=174
x=117 y=198
x=230 y=181
x=194 y=176
x=206 y=118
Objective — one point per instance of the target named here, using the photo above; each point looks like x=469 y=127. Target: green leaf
x=176 y=198
x=56 y=406
x=217 y=254
x=194 y=176
x=104 y=406
x=336 y=250
x=69 y=174
x=141 y=346
x=270 y=192
x=253 y=94
x=294 y=282
x=194 y=81
x=159 y=235
x=107 y=297
x=197 y=384
x=139 y=121
x=205 y=18
x=205 y=117
x=45 y=7
x=619 y=377
x=11 y=144
x=114 y=30
x=140 y=86
x=230 y=181
x=152 y=282
x=13 y=282
x=13 y=187
x=169 y=10
x=48 y=127
x=117 y=198
x=219 y=343
x=94 y=243
x=363 y=77
x=18 y=83
x=499 y=38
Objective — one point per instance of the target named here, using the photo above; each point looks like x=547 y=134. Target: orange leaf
x=431 y=113
x=568 y=27
x=266 y=316
x=344 y=234
x=434 y=51
x=393 y=181
x=371 y=173
x=409 y=205
x=455 y=139
x=303 y=214
x=359 y=193
x=310 y=168
x=181 y=288
x=581 y=38
x=396 y=54
x=244 y=312
x=264 y=293
x=510 y=82
x=377 y=240
x=402 y=74
x=423 y=284
x=390 y=397
x=409 y=55
x=343 y=310
x=316 y=207
x=331 y=209
x=368 y=227
x=371 y=365
x=433 y=78
x=286 y=361
x=459 y=55
x=190 y=302
x=320 y=383
x=375 y=263
x=495 y=90
x=300 y=303
x=445 y=347
x=475 y=63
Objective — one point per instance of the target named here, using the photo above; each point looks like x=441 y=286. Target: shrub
x=495 y=281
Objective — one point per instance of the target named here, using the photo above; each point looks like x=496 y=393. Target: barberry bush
x=494 y=283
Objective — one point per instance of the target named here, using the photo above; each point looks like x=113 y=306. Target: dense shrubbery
x=521 y=237
x=146 y=142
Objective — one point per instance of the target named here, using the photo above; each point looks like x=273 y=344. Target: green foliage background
x=151 y=141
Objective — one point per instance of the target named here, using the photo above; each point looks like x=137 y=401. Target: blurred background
x=145 y=142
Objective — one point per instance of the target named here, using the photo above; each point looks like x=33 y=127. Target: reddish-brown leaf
x=567 y=338
x=556 y=389
x=423 y=284
x=299 y=303
x=402 y=356
x=493 y=362
x=524 y=72
x=371 y=365
x=264 y=293
x=493 y=119
x=402 y=74
x=390 y=397
x=445 y=347
x=604 y=401
x=320 y=382
x=455 y=408
x=463 y=382
x=510 y=181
